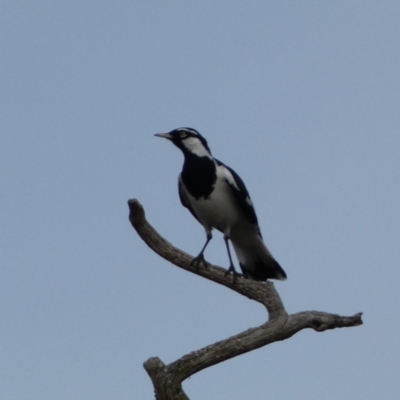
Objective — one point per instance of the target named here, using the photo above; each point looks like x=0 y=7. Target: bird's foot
x=233 y=270
x=197 y=261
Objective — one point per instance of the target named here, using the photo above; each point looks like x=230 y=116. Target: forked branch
x=167 y=379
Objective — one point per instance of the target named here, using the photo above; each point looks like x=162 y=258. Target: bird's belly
x=217 y=211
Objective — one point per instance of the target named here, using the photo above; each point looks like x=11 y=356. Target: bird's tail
x=256 y=261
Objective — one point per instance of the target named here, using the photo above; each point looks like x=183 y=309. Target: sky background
x=301 y=98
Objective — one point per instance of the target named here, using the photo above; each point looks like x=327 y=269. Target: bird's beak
x=164 y=135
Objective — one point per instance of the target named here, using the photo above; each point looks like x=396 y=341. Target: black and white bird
x=218 y=198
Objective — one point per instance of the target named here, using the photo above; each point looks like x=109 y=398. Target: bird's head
x=188 y=140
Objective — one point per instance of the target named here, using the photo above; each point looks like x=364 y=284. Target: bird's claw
x=234 y=273
x=197 y=261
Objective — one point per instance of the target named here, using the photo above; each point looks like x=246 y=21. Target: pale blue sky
x=301 y=98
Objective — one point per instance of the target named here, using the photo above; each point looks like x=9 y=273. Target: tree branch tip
x=136 y=211
x=153 y=366
x=358 y=318
x=321 y=324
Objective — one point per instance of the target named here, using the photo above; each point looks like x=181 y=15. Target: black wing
x=241 y=194
x=184 y=200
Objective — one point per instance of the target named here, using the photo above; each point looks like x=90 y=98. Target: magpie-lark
x=217 y=197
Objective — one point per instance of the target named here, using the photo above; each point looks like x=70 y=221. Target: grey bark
x=167 y=379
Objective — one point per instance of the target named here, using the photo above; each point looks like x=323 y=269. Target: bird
x=217 y=197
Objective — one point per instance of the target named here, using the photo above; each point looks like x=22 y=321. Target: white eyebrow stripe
x=189 y=130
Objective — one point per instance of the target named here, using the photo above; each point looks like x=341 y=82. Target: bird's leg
x=231 y=267
x=200 y=258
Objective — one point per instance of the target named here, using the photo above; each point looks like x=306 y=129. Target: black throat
x=199 y=175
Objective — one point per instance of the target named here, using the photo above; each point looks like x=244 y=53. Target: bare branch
x=167 y=379
x=262 y=292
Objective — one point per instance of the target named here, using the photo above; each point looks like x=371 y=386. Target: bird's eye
x=182 y=134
